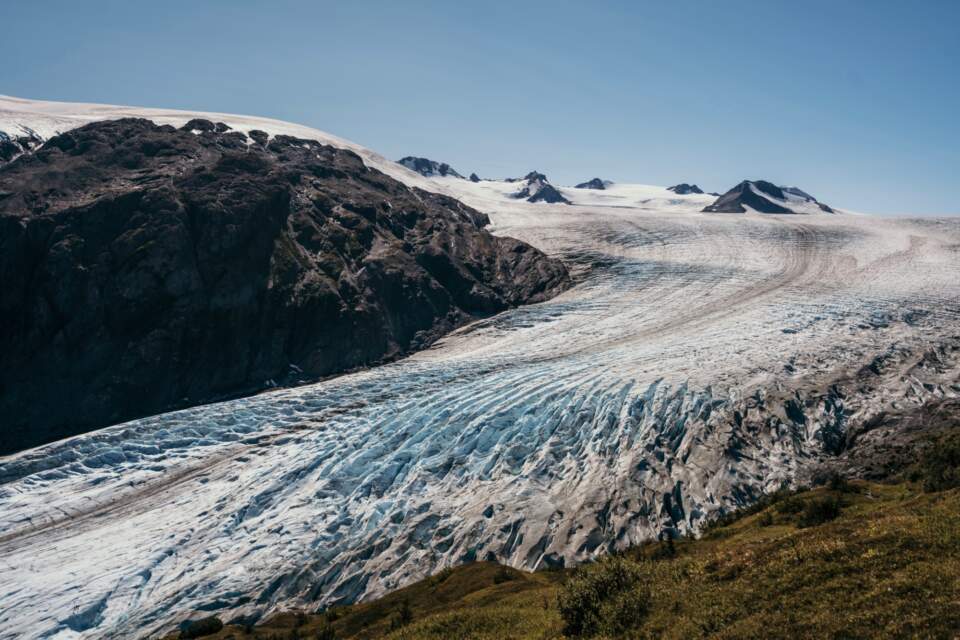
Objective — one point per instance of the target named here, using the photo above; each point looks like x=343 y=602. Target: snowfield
x=700 y=360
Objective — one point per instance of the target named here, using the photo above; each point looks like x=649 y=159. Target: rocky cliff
x=148 y=268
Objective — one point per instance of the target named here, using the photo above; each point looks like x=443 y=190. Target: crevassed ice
x=681 y=375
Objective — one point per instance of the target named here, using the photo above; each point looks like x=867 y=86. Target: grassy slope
x=889 y=566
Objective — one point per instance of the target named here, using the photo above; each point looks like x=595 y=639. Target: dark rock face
x=758 y=195
x=595 y=183
x=474 y=177
x=742 y=194
x=684 y=189
x=537 y=188
x=13 y=146
x=147 y=268
x=428 y=168
x=548 y=193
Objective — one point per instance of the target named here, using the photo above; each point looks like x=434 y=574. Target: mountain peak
x=684 y=189
x=595 y=183
x=538 y=189
x=765 y=197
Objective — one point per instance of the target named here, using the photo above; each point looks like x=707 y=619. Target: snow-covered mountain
x=536 y=188
x=700 y=361
x=765 y=197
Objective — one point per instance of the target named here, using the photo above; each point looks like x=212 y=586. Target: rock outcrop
x=12 y=146
x=147 y=268
x=537 y=188
x=595 y=183
x=428 y=168
x=684 y=189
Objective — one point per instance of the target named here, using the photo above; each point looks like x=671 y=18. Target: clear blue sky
x=856 y=101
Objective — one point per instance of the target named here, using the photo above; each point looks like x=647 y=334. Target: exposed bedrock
x=147 y=268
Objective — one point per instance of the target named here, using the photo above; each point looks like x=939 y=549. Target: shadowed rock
x=595 y=183
x=764 y=197
x=684 y=189
x=538 y=189
x=428 y=168
x=746 y=193
x=148 y=268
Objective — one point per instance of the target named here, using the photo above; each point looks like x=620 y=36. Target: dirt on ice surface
x=700 y=360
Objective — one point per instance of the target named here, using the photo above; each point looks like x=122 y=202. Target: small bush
x=664 y=550
x=441 y=576
x=781 y=499
x=838 y=482
x=765 y=519
x=503 y=575
x=333 y=614
x=609 y=597
x=326 y=632
x=402 y=617
x=199 y=628
x=819 y=510
x=790 y=506
x=939 y=466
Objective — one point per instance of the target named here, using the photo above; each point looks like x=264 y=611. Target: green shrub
x=326 y=632
x=819 y=510
x=609 y=597
x=790 y=506
x=664 y=550
x=503 y=575
x=402 y=617
x=782 y=499
x=939 y=466
x=199 y=628
x=765 y=519
x=838 y=482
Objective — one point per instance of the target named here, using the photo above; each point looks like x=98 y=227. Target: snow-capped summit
x=538 y=189
x=684 y=189
x=765 y=197
x=428 y=168
x=595 y=183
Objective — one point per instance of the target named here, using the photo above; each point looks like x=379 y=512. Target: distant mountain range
x=759 y=196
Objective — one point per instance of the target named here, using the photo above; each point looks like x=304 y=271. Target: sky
x=855 y=101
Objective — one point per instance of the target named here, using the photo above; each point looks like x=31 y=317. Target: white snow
x=48 y=119
x=545 y=432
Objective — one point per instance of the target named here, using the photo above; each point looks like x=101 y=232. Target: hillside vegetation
x=844 y=560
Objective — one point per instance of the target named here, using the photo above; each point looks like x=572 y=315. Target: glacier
x=699 y=361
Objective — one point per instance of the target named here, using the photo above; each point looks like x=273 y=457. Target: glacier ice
x=699 y=361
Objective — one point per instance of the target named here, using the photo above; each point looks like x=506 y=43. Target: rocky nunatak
x=147 y=268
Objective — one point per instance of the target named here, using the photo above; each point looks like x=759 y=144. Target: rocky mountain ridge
x=536 y=188
x=428 y=168
x=766 y=197
x=151 y=268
